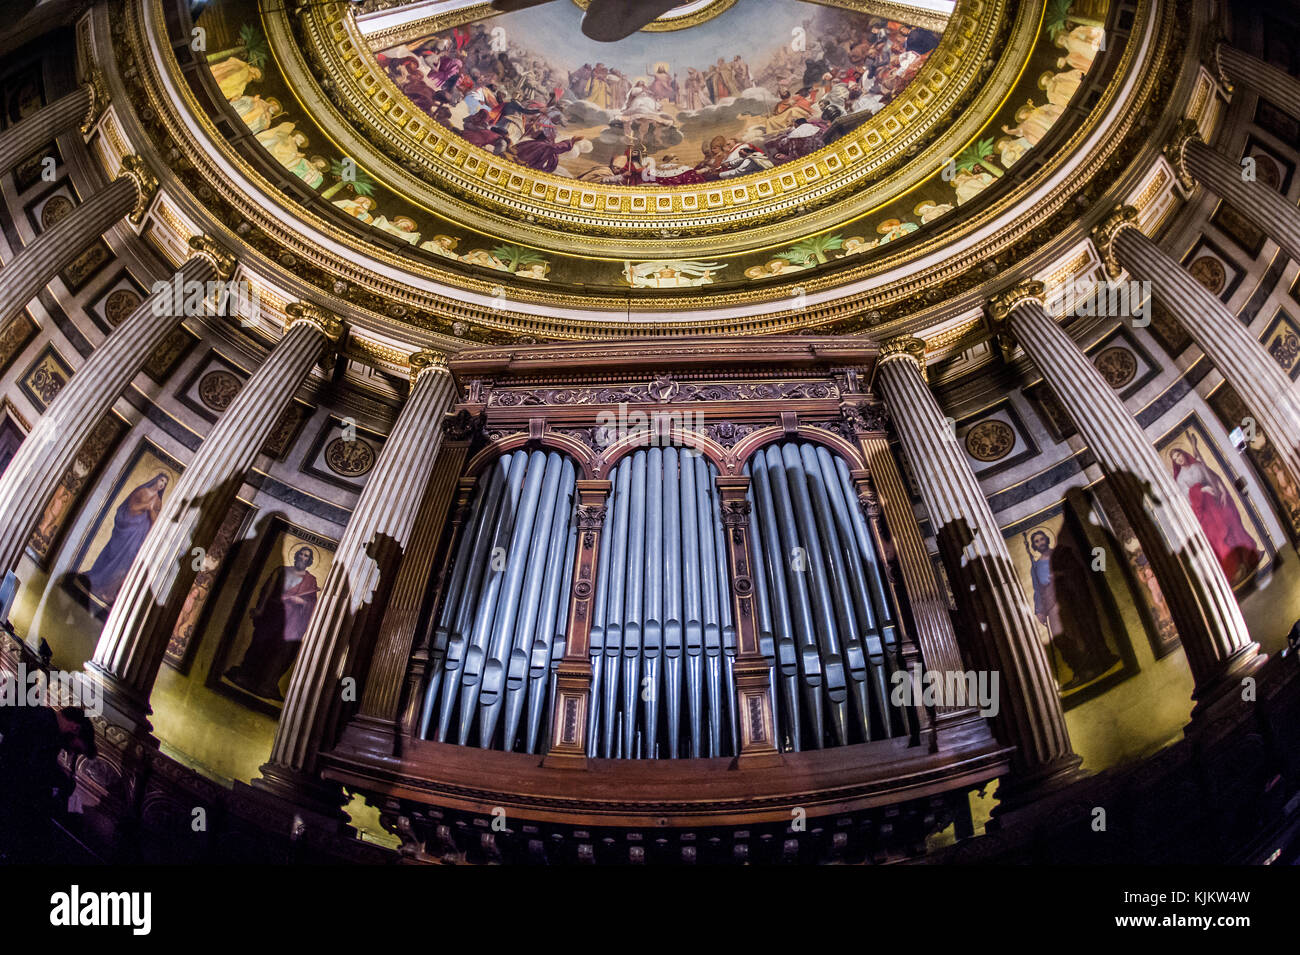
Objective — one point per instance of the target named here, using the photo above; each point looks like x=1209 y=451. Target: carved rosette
x=1176 y=152
x=904 y=348
x=146 y=185
x=1103 y=237
x=428 y=360
x=206 y=247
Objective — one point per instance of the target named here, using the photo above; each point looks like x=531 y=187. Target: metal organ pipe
x=674 y=626
x=655 y=569
x=832 y=596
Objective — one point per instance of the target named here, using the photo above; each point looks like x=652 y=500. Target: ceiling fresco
x=646 y=115
x=763 y=84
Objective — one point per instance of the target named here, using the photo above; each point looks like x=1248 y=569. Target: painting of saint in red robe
x=1217 y=513
x=279 y=616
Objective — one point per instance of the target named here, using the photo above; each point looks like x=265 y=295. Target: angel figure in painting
x=1216 y=512
x=280 y=616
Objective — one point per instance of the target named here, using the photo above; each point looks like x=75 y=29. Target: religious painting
x=114 y=305
x=270 y=617
x=192 y=616
x=1151 y=604
x=15 y=335
x=1077 y=620
x=82 y=473
x=1285 y=496
x=728 y=97
x=1277 y=122
x=343 y=454
x=169 y=353
x=45 y=377
x=1212 y=268
x=11 y=437
x=211 y=387
x=1229 y=520
x=120 y=528
x=1282 y=341
x=995 y=439
x=1123 y=363
x=22 y=93
x=1244 y=233
x=32 y=169
x=1271 y=169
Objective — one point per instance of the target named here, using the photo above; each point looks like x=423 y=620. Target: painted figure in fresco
x=1217 y=513
x=1064 y=607
x=280 y=616
x=233 y=75
x=256 y=112
x=131 y=524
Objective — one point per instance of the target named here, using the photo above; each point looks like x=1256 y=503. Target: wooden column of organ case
x=664 y=596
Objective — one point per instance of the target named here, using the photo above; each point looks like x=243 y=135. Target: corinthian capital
x=999 y=306
x=146 y=184
x=1176 y=152
x=206 y=247
x=903 y=348
x=428 y=360
x=327 y=322
x=1103 y=236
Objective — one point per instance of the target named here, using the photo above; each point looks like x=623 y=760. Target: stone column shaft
x=377 y=533
x=134 y=639
x=1276 y=86
x=1201 y=600
x=1001 y=622
x=48 y=451
x=43 y=126
x=1269 y=210
x=31 y=269
x=1245 y=364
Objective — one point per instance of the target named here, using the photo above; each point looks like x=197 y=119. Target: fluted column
x=377 y=534
x=1196 y=162
x=39 y=129
x=53 y=443
x=54 y=249
x=1001 y=629
x=934 y=633
x=1201 y=601
x=1268 y=393
x=1276 y=86
x=375 y=727
x=134 y=639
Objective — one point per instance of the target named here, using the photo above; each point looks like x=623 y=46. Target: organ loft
x=727 y=432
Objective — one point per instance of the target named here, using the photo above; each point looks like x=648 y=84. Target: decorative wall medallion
x=1210 y=273
x=217 y=389
x=990 y=440
x=1283 y=342
x=120 y=304
x=1117 y=365
x=55 y=211
x=1214 y=268
x=349 y=458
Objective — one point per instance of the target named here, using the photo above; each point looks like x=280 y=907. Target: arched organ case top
x=662 y=640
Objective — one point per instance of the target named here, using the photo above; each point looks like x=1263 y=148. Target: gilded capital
x=428 y=359
x=1103 y=236
x=1176 y=152
x=1214 y=43
x=98 y=88
x=206 y=247
x=300 y=312
x=146 y=184
x=999 y=306
x=904 y=347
